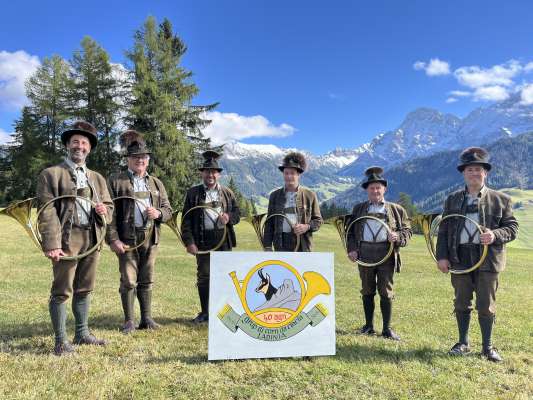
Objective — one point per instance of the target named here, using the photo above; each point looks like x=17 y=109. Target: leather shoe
x=459 y=349
x=128 y=327
x=91 y=340
x=491 y=354
x=390 y=334
x=367 y=330
x=148 y=323
x=201 y=318
x=64 y=348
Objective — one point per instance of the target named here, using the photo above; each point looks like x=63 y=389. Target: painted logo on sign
x=276 y=301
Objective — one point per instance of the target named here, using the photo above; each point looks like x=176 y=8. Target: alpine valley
x=419 y=157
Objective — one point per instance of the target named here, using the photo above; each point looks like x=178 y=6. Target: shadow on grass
x=360 y=352
x=33 y=337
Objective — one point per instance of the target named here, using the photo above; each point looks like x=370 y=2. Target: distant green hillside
x=524 y=214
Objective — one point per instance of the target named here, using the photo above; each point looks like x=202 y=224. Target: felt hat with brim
x=210 y=161
x=137 y=149
x=474 y=156
x=374 y=175
x=81 y=128
x=294 y=160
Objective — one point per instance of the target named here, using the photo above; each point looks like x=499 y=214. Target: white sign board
x=271 y=304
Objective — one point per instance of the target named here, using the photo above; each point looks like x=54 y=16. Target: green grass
x=524 y=215
x=172 y=362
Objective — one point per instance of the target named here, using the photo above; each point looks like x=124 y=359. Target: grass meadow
x=172 y=362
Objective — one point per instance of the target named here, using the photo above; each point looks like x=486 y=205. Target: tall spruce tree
x=161 y=108
x=95 y=96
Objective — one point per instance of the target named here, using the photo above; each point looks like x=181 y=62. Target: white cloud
x=491 y=93
x=435 y=67
x=232 y=126
x=419 y=65
x=5 y=136
x=15 y=68
x=459 y=93
x=527 y=94
x=499 y=75
x=494 y=83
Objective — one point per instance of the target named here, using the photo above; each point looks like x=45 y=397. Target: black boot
x=128 y=300
x=145 y=303
x=203 y=316
x=386 y=311
x=368 y=307
x=461 y=348
x=486 y=323
x=58 y=315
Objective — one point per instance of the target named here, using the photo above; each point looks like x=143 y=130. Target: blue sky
x=309 y=74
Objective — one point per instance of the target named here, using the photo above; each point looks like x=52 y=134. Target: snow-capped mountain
x=255 y=169
x=423 y=132
x=337 y=158
x=426 y=131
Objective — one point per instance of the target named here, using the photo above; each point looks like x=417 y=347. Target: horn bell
x=20 y=211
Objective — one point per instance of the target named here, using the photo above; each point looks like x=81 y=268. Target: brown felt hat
x=294 y=160
x=81 y=128
x=472 y=156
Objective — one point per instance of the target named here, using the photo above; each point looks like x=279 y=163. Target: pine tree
x=95 y=96
x=26 y=156
x=47 y=91
x=406 y=202
x=161 y=106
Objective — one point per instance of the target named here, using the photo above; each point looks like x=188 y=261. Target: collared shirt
x=290 y=210
x=373 y=231
x=211 y=217
x=470 y=233
x=142 y=193
x=83 y=207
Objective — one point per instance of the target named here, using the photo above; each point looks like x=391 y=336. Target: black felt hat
x=374 y=174
x=210 y=161
x=472 y=156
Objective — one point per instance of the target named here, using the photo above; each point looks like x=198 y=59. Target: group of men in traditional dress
x=71 y=226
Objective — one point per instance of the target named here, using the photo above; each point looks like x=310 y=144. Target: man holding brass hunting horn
x=375 y=231
x=293 y=210
x=210 y=211
x=74 y=205
x=141 y=205
x=477 y=223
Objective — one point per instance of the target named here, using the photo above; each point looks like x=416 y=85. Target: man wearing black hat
x=459 y=246
x=369 y=242
x=298 y=204
x=132 y=221
x=203 y=228
x=70 y=227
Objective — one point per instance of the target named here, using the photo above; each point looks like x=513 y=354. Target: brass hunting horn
x=150 y=231
x=259 y=221
x=344 y=225
x=177 y=228
x=21 y=212
x=430 y=227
